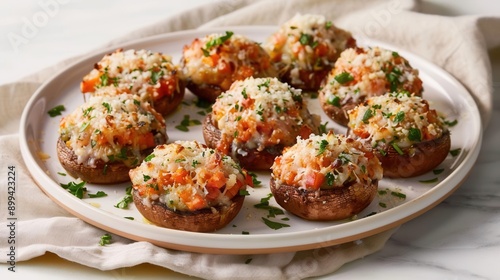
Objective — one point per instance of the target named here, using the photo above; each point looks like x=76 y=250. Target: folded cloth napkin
x=457 y=44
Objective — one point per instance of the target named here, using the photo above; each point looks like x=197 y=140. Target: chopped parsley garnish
x=398 y=194
x=216 y=42
x=393 y=78
x=278 y=109
x=264 y=84
x=343 y=158
x=383 y=205
x=87 y=111
x=105 y=240
x=104 y=78
x=243 y=192
x=84 y=126
x=455 y=152
x=186 y=122
x=98 y=194
x=264 y=204
x=129 y=218
x=149 y=158
x=108 y=107
x=260 y=112
x=367 y=115
x=397 y=148
x=122 y=154
x=414 y=134
x=126 y=200
x=274 y=225
x=56 y=111
x=76 y=189
x=155 y=76
x=146 y=177
x=322 y=147
x=452 y=123
x=395 y=54
x=244 y=93
x=433 y=180
x=334 y=100
x=328 y=24
x=344 y=77
x=255 y=181
x=400 y=116
x=61 y=173
x=322 y=128
x=330 y=178
x=306 y=39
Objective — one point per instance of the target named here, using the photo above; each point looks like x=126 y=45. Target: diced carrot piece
x=147 y=141
x=321 y=49
x=314 y=180
x=180 y=176
x=88 y=85
x=213 y=193
x=193 y=201
x=217 y=180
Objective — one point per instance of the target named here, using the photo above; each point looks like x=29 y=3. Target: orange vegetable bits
x=256 y=118
x=189 y=176
x=217 y=60
x=150 y=75
x=305 y=48
x=360 y=73
x=112 y=128
x=324 y=162
x=407 y=136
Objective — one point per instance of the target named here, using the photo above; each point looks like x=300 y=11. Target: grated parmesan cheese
x=326 y=161
x=150 y=75
x=393 y=117
x=363 y=72
x=220 y=59
x=258 y=113
x=306 y=42
x=187 y=176
x=112 y=128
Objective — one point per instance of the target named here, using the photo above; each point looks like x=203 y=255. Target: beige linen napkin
x=457 y=44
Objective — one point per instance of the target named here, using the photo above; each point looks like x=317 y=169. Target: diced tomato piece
x=213 y=193
x=147 y=141
x=164 y=178
x=232 y=191
x=314 y=180
x=361 y=133
x=215 y=59
x=217 y=180
x=321 y=49
x=193 y=201
x=305 y=131
x=167 y=88
x=88 y=85
x=180 y=176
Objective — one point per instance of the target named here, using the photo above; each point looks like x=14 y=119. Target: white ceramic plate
x=247 y=233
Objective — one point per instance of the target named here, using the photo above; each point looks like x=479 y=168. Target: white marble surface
x=458 y=239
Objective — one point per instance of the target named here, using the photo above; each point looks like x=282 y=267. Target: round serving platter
x=398 y=200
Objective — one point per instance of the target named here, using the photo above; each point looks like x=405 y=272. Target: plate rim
x=247 y=242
